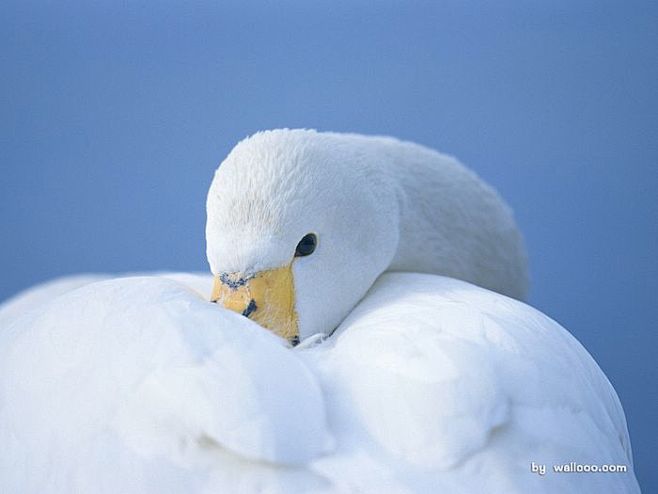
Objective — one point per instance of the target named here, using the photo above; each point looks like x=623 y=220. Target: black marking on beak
x=294 y=341
x=235 y=283
x=251 y=308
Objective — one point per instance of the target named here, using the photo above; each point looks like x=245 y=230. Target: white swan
x=429 y=384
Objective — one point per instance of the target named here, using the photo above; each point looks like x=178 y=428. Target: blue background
x=114 y=116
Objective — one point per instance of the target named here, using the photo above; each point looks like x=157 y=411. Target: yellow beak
x=268 y=298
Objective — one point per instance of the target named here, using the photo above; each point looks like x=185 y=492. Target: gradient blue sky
x=114 y=117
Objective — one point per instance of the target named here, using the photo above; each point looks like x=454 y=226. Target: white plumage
x=377 y=204
x=430 y=384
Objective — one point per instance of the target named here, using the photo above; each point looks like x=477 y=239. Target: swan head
x=296 y=231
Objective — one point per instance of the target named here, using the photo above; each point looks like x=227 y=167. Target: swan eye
x=306 y=245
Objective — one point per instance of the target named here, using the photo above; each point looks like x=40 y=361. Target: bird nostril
x=234 y=280
x=251 y=308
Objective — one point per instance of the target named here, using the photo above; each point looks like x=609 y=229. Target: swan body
x=402 y=382
x=140 y=385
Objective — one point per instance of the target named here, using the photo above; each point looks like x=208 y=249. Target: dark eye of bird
x=306 y=245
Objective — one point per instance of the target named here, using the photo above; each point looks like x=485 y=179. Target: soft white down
x=139 y=385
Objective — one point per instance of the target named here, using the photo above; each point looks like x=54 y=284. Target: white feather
x=139 y=385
